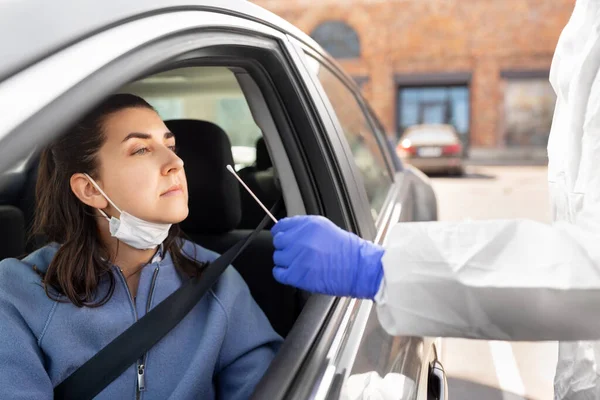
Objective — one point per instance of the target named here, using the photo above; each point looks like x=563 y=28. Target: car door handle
x=437 y=384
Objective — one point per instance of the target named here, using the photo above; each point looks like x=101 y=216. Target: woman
x=110 y=194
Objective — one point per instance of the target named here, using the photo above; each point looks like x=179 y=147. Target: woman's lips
x=173 y=191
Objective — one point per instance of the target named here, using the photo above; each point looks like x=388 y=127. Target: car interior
x=207 y=111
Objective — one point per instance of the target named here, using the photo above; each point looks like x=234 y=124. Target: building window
x=528 y=110
x=435 y=105
x=338 y=39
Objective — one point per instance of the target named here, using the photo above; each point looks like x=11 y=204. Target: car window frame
x=306 y=51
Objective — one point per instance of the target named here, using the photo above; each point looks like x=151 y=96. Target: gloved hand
x=313 y=254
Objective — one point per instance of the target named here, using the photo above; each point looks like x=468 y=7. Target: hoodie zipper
x=141 y=363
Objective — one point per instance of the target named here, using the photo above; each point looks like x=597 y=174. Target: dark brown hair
x=80 y=263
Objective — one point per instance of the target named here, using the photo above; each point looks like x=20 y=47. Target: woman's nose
x=173 y=165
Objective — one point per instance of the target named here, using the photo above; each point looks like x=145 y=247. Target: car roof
x=33 y=29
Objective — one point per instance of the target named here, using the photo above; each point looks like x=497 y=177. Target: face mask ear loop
x=93 y=182
x=104 y=215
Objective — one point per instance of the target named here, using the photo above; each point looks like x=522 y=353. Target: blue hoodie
x=221 y=349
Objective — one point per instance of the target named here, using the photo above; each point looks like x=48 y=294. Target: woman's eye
x=141 y=151
x=173 y=149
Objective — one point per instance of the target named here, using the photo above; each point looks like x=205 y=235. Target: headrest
x=263 y=160
x=215 y=205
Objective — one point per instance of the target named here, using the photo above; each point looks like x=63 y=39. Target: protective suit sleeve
x=494 y=280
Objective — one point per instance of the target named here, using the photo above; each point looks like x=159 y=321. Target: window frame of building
x=444 y=81
x=338 y=38
x=515 y=77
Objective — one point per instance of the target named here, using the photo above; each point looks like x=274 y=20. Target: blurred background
x=461 y=88
x=480 y=65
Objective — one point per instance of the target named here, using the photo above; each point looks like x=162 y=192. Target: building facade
x=481 y=65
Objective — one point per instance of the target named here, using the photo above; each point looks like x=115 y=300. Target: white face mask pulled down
x=135 y=232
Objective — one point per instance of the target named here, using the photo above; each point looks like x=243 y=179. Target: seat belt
x=127 y=348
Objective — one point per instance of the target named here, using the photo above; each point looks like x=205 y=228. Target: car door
x=60 y=77
x=364 y=347
x=53 y=84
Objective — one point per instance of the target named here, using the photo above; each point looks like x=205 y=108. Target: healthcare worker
x=504 y=279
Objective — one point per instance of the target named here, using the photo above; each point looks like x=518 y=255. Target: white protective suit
x=518 y=279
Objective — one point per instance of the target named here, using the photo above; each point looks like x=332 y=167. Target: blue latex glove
x=313 y=254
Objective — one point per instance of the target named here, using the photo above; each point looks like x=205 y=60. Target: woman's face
x=138 y=167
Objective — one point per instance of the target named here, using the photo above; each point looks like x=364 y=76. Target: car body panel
x=36 y=38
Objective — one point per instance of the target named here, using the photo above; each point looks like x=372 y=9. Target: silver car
x=253 y=74
x=432 y=148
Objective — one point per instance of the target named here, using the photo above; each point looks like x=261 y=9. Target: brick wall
x=480 y=37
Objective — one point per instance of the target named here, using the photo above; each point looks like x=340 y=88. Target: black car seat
x=215 y=213
x=261 y=179
x=12 y=232
x=263 y=160
x=12 y=218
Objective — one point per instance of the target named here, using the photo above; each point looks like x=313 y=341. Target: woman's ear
x=86 y=192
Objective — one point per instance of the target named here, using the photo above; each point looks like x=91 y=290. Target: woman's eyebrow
x=136 y=135
x=139 y=135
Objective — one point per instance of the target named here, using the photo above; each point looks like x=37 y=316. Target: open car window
x=210 y=94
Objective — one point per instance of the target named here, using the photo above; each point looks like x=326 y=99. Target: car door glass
x=204 y=93
x=387 y=142
x=360 y=136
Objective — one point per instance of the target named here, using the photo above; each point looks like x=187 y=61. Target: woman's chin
x=180 y=217
x=173 y=216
